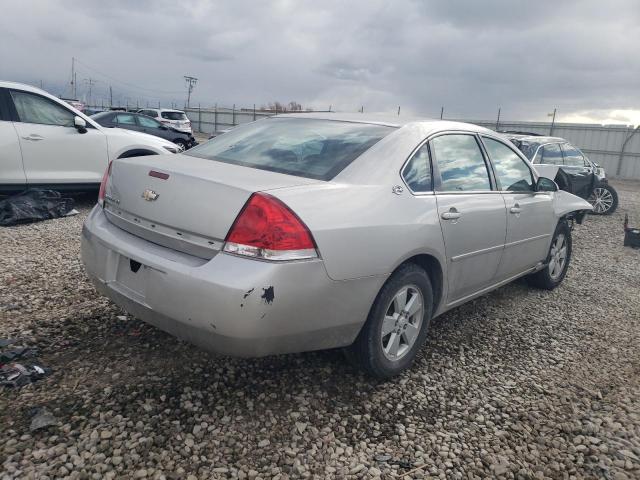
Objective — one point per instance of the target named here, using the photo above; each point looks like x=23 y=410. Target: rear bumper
x=228 y=305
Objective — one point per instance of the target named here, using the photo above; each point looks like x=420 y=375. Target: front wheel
x=397 y=324
x=182 y=145
x=557 y=260
x=604 y=199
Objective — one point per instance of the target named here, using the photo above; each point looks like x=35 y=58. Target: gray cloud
x=472 y=57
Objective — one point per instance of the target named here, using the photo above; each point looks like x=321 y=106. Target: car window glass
x=125 y=119
x=460 y=162
x=572 y=156
x=173 y=115
x=148 y=122
x=36 y=109
x=311 y=148
x=417 y=173
x=550 y=154
x=512 y=172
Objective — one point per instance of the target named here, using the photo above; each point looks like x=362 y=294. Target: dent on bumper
x=229 y=305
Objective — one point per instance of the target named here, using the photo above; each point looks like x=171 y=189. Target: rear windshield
x=173 y=115
x=310 y=148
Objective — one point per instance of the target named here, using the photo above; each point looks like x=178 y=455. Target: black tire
x=544 y=279
x=367 y=352
x=181 y=143
x=607 y=189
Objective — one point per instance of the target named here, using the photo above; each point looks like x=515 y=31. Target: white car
x=44 y=142
x=175 y=118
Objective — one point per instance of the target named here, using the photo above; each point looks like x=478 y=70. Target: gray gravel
x=517 y=384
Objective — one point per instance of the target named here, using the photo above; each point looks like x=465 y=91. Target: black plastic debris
x=14 y=374
x=43 y=418
x=33 y=205
x=18 y=375
x=631 y=234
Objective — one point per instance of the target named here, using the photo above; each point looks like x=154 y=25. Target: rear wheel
x=397 y=324
x=604 y=199
x=557 y=261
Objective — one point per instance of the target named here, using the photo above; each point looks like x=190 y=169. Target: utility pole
x=553 y=121
x=441 y=112
x=398 y=110
x=91 y=82
x=498 y=120
x=191 y=82
x=110 y=97
x=73 y=77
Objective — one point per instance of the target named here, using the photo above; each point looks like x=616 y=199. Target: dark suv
x=142 y=123
x=556 y=158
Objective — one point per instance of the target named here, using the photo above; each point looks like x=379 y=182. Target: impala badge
x=150 y=195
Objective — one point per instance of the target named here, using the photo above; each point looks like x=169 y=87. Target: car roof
x=535 y=138
x=390 y=120
x=22 y=86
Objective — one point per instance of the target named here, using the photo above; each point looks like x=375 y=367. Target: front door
x=580 y=171
x=53 y=151
x=472 y=214
x=530 y=217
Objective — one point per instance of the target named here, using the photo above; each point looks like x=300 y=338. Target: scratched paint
x=268 y=295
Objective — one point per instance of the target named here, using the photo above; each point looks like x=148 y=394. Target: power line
x=130 y=85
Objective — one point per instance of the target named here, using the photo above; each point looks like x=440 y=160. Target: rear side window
x=417 y=173
x=33 y=108
x=460 y=163
x=148 y=122
x=512 y=172
x=125 y=119
x=572 y=156
x=173 y=115
x=549 y=154
x=303 y=147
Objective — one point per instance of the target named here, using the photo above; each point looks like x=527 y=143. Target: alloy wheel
x=402 y=322
x=558 y=256
x=601 y=199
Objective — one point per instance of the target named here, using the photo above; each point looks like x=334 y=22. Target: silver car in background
x=315 y=231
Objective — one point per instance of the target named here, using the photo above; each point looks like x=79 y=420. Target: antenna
x=191 y=82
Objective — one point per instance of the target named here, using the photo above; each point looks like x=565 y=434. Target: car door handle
x=34 y=137
x=452 y=214
x=515 y=209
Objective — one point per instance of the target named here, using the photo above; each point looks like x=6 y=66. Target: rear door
x=11 y=168
x=53 y=151
x=472 y=213
x=530 y=216
x=152 y=127
x=128 y=121
x=580 y=171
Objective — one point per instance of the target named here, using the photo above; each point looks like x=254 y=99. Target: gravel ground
x=517 y=384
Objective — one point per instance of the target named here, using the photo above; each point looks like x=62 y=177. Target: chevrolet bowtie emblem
x=150 y=195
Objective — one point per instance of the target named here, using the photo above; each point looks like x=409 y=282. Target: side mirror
x=545 y=184
x=80 y=124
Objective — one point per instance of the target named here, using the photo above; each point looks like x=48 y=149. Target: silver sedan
x=305 y=232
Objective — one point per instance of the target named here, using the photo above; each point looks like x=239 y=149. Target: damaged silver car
x=316 y=231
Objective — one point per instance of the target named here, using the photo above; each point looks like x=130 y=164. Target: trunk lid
x=191 y=205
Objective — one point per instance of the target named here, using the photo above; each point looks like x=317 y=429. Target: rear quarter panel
x=366 y=230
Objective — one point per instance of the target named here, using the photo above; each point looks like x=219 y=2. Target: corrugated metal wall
x=602 y=144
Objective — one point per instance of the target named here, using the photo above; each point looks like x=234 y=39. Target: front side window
x=572 y=156
x=550 y=154
x=310 y=148
x=512 y=172
x=148 y=122
x=36 y=109
x=460 y=162
x=417 y=173
x=125 y=119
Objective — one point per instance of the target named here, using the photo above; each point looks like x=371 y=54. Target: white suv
x=175 y=118
x=46 y=142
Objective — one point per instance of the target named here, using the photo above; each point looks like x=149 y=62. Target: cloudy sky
x=471 y=57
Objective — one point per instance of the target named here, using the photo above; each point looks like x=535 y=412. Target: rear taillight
x=103 y=185
x=266 y=228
